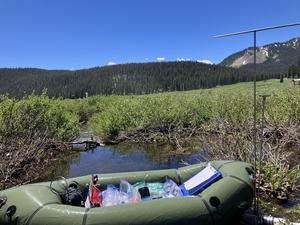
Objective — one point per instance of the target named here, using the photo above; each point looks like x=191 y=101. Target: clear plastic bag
x=128 y=193
x=110 y=196
x=171 y=189
x=155 y=189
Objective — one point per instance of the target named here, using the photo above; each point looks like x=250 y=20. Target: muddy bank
x=27 y=163
x=163 y=134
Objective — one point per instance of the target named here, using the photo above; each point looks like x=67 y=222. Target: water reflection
x=122 y=158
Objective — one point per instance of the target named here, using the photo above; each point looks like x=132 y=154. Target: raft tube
x=225 y=199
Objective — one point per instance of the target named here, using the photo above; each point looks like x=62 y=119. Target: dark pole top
x=257 y=30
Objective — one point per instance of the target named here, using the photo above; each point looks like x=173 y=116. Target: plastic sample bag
x=171 y=189
x=155 y=188
x=128 y=193
x=110 y=196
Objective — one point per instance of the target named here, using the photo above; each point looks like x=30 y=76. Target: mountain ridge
x=275 y=57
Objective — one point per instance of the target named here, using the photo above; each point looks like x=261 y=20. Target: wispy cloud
x=111 y=63
x=183 y=59
x=160 y=59
x=205 y=61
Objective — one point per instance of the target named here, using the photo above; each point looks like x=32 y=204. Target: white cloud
x=111 y=63
x=160 y=59
x=183 y=59
x=146 y=59
x=205 y=61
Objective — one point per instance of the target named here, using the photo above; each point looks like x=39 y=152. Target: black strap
x=85 y=216
x=208 y=209
x=3 y=201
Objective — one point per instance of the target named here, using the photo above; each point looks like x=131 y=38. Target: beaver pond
x=121 y=158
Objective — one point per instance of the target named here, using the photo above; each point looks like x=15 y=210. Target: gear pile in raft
x=205 y=193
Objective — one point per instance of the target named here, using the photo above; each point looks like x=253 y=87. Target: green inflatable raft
x=219 y=203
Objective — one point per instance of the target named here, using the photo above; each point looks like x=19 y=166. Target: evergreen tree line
x=123 y=79
x=294 y=71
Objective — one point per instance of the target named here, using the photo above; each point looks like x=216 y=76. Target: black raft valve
x=214 y=201
x=11 y=211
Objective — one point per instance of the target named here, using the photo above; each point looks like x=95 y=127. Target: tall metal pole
x=254 y=31
x=264 y=98
x=254 y=120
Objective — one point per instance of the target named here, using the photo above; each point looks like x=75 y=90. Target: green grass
x=295 y=211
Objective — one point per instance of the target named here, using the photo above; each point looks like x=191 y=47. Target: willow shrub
x=129 y=112
x=229 y=105
x=284 y=107
x=84 y=108
x=159 y=110
x=36 y=117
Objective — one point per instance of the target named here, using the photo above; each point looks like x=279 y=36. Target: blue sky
x=72 y=34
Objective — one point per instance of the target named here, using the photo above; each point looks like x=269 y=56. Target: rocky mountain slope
x=275 y=57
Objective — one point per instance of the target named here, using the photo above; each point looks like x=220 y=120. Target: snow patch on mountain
x=274 y=57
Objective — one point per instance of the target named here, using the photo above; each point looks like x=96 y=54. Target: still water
x=122 y=158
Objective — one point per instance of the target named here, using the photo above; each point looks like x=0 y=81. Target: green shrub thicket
x=232 y=104
x=36 y=117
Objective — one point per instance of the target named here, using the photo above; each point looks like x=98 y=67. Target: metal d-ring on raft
x=219 y=203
